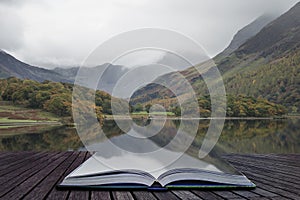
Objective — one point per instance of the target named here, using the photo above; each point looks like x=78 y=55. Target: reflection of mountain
x=238 y=136
x=261 y=136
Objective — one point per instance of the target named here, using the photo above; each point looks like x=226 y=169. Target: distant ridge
x=10 y=66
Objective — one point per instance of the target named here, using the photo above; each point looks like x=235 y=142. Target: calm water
x=238 y=136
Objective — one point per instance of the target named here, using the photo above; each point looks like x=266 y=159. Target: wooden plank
x=265 y=162
x=270 y=187
x=14 y=158
x=264 y=193
x=269 y=173
x=122 y=195
x=80 y=194
x=20 y=163
x=274 y=163
x=273 y=175
x=165 y=195
x=270 y=181
x=283 y=173
x=104 y=195
x=25 y=187
x=280 y=198
x=12 y=181
x=5 y=154
x=63 y=194
x=245 y=193
x=287 y=158
x=227 y=194
x=8 y=155
x=41 y=190
x=143 y=195
x=207 y=195
x=185 y=194
x=279 y=182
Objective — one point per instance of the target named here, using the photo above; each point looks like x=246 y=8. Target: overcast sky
x=49 y=33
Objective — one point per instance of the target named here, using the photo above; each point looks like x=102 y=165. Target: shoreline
x=111 y=117
x=29 y=123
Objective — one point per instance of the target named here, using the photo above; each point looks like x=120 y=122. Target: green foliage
x=138 y=107
x=177 y=111
x=147 y=107
x=59 y=104
x=49 y=96
x=243 y=106
x=277 y=81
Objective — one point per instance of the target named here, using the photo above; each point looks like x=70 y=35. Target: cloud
x=55 y=32
x=11 y=36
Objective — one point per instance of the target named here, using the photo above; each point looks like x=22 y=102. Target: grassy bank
x=16 y=116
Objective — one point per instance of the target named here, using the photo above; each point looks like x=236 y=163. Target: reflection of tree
x=261 y=136
x=238 y=136
x=56 y=138
x=241 y=136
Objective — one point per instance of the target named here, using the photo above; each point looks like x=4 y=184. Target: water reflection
x=238 y=136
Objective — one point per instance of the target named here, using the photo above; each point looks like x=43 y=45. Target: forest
x=56 y=98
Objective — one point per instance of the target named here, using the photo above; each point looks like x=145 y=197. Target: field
x=12 y=116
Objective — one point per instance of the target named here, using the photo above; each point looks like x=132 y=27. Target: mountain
x=109 y=78
x=10 y=66
x=245 y=33
x=266 y=65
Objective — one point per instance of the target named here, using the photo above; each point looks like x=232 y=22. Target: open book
x=201 y=175
x=116 y=168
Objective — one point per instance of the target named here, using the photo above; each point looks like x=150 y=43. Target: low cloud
x=12 y=30
x=54 y=32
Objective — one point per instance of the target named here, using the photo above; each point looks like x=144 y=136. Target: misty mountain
x=10 y=66
x=267 y=65
x=246 y=33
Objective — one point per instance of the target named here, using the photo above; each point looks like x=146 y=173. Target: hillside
x=246 y=33
x=12 y=67
x=52 y=97
x=267 y=65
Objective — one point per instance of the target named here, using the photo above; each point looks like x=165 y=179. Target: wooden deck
x=34 y=175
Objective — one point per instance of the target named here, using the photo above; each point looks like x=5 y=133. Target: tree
x=177 y=111
x=59 y=104
x=147 y=108
x=138 y=108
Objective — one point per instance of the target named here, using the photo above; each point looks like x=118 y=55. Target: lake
x=238 y=136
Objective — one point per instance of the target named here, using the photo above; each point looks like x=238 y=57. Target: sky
x=51 y=33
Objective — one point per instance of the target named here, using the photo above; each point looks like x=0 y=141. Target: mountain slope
x=10 y=66
x=267 y=65
x=245 y=33
x=108 y=80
